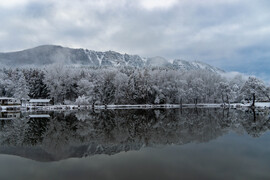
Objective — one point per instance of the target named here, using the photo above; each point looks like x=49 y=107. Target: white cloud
x=157 y=4
x=14 y=3
x=3 y=34
x=223 y=33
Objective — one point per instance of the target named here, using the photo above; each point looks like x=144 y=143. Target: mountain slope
x=195 y=65
x=50 y=54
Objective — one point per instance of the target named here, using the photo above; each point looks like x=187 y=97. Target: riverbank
x=137 y=106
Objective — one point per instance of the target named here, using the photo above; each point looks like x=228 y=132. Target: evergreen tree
x=21 y=90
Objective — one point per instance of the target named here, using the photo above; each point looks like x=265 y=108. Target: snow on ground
x=137 y=106
x=262 y=104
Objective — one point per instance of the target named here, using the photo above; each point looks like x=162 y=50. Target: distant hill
x=50 y=54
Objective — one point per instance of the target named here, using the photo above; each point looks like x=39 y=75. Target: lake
x=136 y=144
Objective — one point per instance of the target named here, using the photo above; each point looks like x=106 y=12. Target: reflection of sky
x=228 y=157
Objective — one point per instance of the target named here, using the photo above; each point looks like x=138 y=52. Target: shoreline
x=136 y=106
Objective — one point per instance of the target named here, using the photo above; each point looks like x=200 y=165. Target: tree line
x=128 y=85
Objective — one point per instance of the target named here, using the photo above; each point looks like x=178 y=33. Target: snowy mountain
x=158 y=62
x=195 y=65
x=50 y=54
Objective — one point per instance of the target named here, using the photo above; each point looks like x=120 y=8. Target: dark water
x=136 y=144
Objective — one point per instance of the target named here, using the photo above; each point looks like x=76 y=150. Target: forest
x=129 y=85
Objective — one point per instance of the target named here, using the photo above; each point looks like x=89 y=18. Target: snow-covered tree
x=196 y=89
x=108 y=88
x=82 y=100
x=61 y=82
x=21 y=89
x=2 y=83
x=235 y=90
x=121 y=84
x=224 y=91
x=128 y=85
x=254 y=88
x=35 y=80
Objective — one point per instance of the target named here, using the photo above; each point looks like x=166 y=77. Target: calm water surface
x=136 y=144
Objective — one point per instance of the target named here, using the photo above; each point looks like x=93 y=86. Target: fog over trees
x=128 y=85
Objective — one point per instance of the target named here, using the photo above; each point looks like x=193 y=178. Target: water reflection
x=52 y=136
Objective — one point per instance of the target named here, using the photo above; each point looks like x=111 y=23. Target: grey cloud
x=37 y=9
x=214 y=32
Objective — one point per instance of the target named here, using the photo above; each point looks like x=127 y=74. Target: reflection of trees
x=35 y=130
x=257 y=122
x=13 y=132
x=112 y=131
x=60 y=130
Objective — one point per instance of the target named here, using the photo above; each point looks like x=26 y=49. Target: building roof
x=39 y=100
x=6 y=98
x=7 y=118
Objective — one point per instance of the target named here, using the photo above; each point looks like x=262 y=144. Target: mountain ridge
x=50 y=54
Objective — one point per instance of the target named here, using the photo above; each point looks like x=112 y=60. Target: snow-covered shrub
x=82 y=100
x=68 y=102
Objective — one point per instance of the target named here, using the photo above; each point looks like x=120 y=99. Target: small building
x=6 y=115
x=40 y=102
x=5 y=101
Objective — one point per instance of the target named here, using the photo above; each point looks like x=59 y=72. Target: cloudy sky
x=231 y=34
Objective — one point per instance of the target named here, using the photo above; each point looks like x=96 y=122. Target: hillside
x=50 y=54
